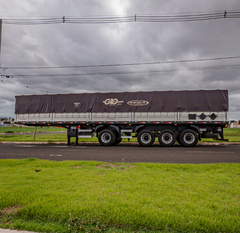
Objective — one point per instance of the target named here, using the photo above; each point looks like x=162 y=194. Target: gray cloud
x=81 y=44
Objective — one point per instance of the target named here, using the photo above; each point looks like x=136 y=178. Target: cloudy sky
x=74 y=44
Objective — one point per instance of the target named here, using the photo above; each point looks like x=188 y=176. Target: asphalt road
x=132 y=153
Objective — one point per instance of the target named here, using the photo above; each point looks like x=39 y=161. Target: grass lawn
x=29 y=129
x=233 y=135
x=75 y=196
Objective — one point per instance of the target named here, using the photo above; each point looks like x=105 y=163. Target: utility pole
x=0 y=43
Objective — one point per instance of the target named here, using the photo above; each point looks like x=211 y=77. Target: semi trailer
x=171 y=116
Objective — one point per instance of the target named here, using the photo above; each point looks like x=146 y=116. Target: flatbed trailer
x=182 y=116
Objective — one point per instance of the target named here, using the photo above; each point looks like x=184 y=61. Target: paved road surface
x=128 y=152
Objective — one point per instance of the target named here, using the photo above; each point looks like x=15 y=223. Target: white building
x=234 y=125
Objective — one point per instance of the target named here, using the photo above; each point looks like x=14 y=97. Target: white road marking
x=76 y=150
x=87 y=150
x=69 y=150
x=55 y=155
x=211 y=152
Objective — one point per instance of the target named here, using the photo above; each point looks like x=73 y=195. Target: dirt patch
x=10 y=210
x=112 y=165
x=76 y=166
x=101 y=174
x=108 y=165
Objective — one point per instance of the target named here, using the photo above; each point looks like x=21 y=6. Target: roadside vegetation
x=30 y=129
x=76 y=196
x=233 y=135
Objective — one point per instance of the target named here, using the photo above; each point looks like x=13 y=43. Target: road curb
x=122 y=143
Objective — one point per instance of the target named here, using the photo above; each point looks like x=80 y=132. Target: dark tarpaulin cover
x=155 y=101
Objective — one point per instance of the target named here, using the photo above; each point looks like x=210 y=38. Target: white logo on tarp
x=112 y=102
x=77 y=104
x=138 y=102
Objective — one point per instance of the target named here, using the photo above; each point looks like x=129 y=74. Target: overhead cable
x=207 y=68
x=113 y=65
x=6 y=98
x=125 y=19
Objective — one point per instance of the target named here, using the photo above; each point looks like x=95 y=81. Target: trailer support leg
x=221 y=134
x=69 y=141
x=76 y=141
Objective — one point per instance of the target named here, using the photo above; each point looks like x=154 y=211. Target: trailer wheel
x=167 y=137
x=146 y=138
x=188 y=138
x=107 y=137
x=118 y=140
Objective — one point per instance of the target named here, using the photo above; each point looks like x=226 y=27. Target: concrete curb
x=122 y=143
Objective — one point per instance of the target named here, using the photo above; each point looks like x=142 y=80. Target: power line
x=114 y=65
x=124 y=19
x=207 y=68
x=6 y=98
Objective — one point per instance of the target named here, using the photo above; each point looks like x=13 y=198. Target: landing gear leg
x=69 y=141
x=76 y=141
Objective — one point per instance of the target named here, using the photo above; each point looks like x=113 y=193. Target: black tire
x=146 y=138
x=167 y=137
x=188 y=138
x=118 y=140
x=107 y=137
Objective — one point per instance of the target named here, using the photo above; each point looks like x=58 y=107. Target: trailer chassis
x=111 y=133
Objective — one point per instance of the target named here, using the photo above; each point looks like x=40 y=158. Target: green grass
x=29 y=129
x=39 y=138
x=119 y=197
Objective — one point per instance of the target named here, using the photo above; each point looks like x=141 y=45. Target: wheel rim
x=146 y=138
x=189 y=138
x=167 y=138
x=106 y=137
